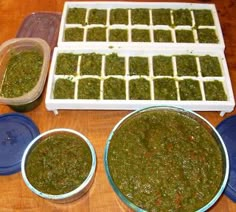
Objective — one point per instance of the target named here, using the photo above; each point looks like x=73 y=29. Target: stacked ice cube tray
x=129 y=55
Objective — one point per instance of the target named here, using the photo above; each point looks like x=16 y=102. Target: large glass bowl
x=187 y=113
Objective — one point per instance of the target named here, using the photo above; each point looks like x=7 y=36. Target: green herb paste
x=165 y=89
x=89 y=88
x=190 y=90
x=140 y=16
x=207 y=36
x=22 y=73
x=162 y=36
x=184 y=36
x=210 y=66
x=96 y=34
x=64 y=89
x=114 y=88
x=76 y=16
x=118 y=35
x=74 y=34
x=186 y=65
x=161 y=17
x=203 y=18
x=139 y=89
x=214 y=91
x=165 y=161
x=115 y=65
x=97 y=16
x=162 y=66
x=140 y=35
x=66 y=64
x=119 y=16
x=91 y=64
x=182 y=17
x=138 y=66
x=59 y=164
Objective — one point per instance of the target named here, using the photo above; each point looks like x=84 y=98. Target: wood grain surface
x=96 y=125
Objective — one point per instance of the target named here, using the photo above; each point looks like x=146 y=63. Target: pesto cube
x=161 y=17
x=207 y=36
x=214 y=91
x=76 y=16
x=190 y=90
x=140 y=35
x=74 y=34
x=162 y=66
x=91 y=64
x=119 y=16
x=118 y=35
x=182 y=17
x=114 y=65
x=64 y=89
x=96 y=34
x=66 y=64
x=184 y=36
x=165 y=89
x=114 y=88
x=139 y=89
x=203 y=18
x=89 y=88
x=138 y=66
x=186 y=65
x=140 y=16
x=210 y=66
x=97 y=16
x=162 y=36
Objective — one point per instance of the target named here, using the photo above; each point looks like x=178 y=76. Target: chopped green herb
x=161 y=17
x=214 y=91
x=115 y=65
x=76 y=16
x=165 y=89
x=138 y=66
x=140 y=16
x=186 y=65
x=162 y=66
x=118 y=35
x=66 y=63
x=96 y=34
x=207 y=36
x=182 y=17
x=203 y=18
x=74 y=34
x=97 y=16
x=91 y=64
x=114 y=88
x=119 y=16
x=210 y=66
x=140 y=35
x=162 y=36
x=190 y=90
x=184 y=36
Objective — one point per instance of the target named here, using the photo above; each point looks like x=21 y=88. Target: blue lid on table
x=227 y=130
x=16 y=132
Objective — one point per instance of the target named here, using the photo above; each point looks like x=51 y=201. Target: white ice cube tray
x=151 y=27
x=128 y=104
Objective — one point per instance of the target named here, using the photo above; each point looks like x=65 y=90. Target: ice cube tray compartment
x=136 y=31
x=129 y=101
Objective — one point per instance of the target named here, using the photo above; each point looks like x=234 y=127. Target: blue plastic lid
x=227 y=130
x=16 y=132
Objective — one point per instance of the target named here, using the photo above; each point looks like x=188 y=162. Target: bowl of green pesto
x=166 y=158
x=59 y=165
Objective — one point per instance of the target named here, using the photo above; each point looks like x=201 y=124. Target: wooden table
x=96 y=125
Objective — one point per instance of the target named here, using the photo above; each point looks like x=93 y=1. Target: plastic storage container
x=31 y=98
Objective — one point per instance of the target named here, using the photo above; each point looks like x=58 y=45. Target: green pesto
x=165 y=89
x=22 y=73
x=203 y=18
x=115 y=65
x=89 y=88
x=64 y=89
x=186 y=65
x=97 y=16
x=96 y=34
x=118 y=35
x=161 y=17
x=91 y=64
x=76 y=16
x=140 y=16
x=119 y=16
x=138 y=66
x=139 y=89
x=214 y=91
x=163 y=161
x=162 y=36
x=114 y=88
x=210 y=66
x=184 y=36
x=74 y=34
x=162 y=66
x=59 y=164
x=140 y=35
x=182 y=17
x=66 y=64
x=190 y=90
x=207 y=36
